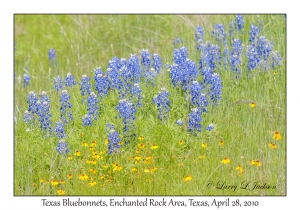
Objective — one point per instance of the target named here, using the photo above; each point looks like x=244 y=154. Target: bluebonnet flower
x=276 y=59
x=92 y=105
x=150 y=76
x=195 y=91
x=44 y=97
x=26 y=79
x=239 y=22
x=252 y=57
x=198 y=98
x=28 y=117
x=235 y=56
x=101 y=83
x=163 y=103
x=194 y=120
x=206 y=76
x=211 y=55
x=179 y=122
x=69 y=80
x=134 y=69
x=122 y=63
x=65 y=106
x=62 y=147
x=44 y=115
x=209 y=127
x=218 y=34
x=51 y=54
x=126 y=111
x=135 y=93
x=156 y=63
x=264 y=49
x=180 y=55
x=253 y=34
x=85 y=86
x=31 y=101
x=58 y=84
x=113 y=141
x=183 y=71
x=145 y=61
x=87 y=120
x=215 y=89
x=59 y=130
x=112 y=72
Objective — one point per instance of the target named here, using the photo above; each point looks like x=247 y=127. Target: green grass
x=84 y=42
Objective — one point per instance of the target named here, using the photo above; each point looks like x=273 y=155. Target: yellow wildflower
x=187 y=178
x=70 y=157
x=252 y=105
x=272 y=146
x=276 y=135
x=83 y=177
x=84 y=144
x=69 y=176
x=203 y=145
x=91 y=184
x=77 y=153
x=221 y=143
x=225 y=160
x=60 y=192
x=154 y=146
x=140 y=138
x=54 y=182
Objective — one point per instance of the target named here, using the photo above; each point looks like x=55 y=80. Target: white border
x=153 y=6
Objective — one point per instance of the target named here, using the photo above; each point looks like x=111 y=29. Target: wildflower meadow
x=150 y=105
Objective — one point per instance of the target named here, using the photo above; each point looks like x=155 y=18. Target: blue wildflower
x=87 y=120
x=156 y=63
x=92 y=105
x=65 y=106
x=59 y=130
x=239 y=22
x=69 y=80
x=198 y=98
x=212 y=55
x=163 y=103
x=235 y=56
x=126 y=111
x=62 y=147
x=58 y=84
x=194 y=120
x=26 y=79
x=44 y=115
x=218 y=34
x=44 y=97
x=215 y=89
x=264 y=49
x=253 y=34
x=113 y=141
x=101 y=84
x=31 y=101
x=28 y=117
x=134 y=69
x=276 y=59
x=150 y=76
x=136 y=94
x=206 y=76
x=51 y=54
x=209 y=127
x=145 y=61
x=252 y=58
x=85 y=86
